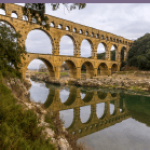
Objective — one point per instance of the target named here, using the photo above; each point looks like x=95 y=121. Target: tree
x=11 y=49
x=37 y=11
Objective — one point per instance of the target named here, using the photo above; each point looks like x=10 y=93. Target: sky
x=130 y=21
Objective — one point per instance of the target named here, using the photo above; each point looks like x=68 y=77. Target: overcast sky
x=130 y=21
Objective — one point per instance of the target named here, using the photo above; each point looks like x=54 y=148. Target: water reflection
x=87 y=111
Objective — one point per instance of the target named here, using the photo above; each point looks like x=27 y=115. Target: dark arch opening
x=68 y=69
x=87 y=70
x=113 y=52
x=66 y=46
x=38 y=41
x=122 y=58
x=88 y=97
x=101 y=95
x=114 y=68
x=103 y=69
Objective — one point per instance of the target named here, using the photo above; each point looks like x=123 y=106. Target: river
x=102 y=119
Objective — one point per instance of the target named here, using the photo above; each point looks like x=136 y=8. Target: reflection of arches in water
x=67 y=116
x=37 y=96
x=72 y=96
x=101 y=95
x=50 y=98
x=85 y=113
x=88 y=97
x=114 y=94
x=64 y=94
x=100 y=108
x=112 y=108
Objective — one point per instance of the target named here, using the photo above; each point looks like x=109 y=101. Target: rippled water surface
x=102 y=119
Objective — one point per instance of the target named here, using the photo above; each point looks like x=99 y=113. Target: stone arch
x=14 y=14
x=103 y=69
x=48 y=64
x=86 y=110
x=25 y=18
x=113 y=52
x=114 y=68
x=101 y=50
x=123 y=53
x=82 y=54
x=72 y=68
x=89 y=69
x=51 y=41
x=88 y=97
x=100 y=110
x=52 y=24
x=7 y=22
x=73 y=42
x=67 y=28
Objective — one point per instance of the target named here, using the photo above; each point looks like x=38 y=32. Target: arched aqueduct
x=77 y=33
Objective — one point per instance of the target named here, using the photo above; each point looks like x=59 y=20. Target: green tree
x=11 y=49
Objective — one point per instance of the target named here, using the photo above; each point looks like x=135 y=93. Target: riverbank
x=129 y=80
x=42 y=125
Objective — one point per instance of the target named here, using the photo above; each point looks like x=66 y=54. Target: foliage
x=37 y=11
x=19 y=129
x=11 y=50
x=139 y=54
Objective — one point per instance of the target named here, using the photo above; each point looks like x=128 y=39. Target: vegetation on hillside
x=139 y=54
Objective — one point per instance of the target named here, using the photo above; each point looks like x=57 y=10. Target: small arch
x=52 y=24
x=43 y=23
x=114 y=68
x=86 y=33
x=97 y=36
x=101 y=95
x=112 y=107
x=88 y=68
x=2 y=11
x=74 y=30
x=14 y=14
x=102 y=37
x=67 y=28
x=60 y=26
x=34 y=20
x=92 y=34
x=103 y=69
x=81 y=32
x=25 y=18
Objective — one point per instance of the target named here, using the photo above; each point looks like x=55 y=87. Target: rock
x=49 y=133
x=63 y=143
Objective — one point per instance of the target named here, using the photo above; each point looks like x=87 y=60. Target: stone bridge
x=60 y=27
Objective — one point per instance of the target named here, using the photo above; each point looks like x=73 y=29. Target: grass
x=19 y=129
x=63 y=73
x=41 y=73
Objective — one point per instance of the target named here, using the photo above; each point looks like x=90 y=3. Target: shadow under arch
x=113 y=53
x=72 y=68
x=89 y=69
x=103 y=69
x=114 y=68
x=101 y=95
x=73 y=41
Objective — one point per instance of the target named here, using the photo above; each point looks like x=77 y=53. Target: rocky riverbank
x=56 y=131
x=128 y=81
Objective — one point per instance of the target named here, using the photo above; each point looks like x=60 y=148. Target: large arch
x=101 y=51
x=113 y=52
x=114 y=68
x=34 y=43
x=88 y=66
x=48 y=64
x=69 y=48
x=72 y=68
x=85 y=114
x=86 y=48
x=103 y=69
